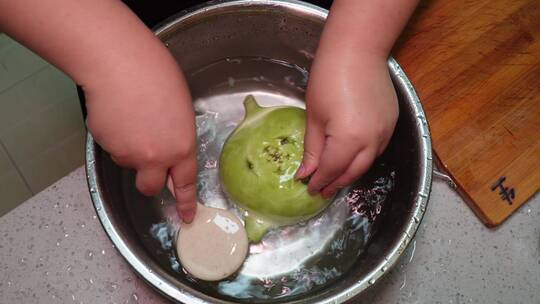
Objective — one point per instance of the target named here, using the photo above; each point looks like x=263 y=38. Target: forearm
x=89 y=39
x=359 y=27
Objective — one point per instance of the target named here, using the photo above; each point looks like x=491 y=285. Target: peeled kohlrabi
x=258 y=164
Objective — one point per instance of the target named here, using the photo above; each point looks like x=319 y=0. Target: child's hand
x=145 y=121
x=351 y=103
x=351 y=114
x=139 y=107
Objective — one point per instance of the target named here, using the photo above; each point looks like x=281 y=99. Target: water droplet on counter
x=83 y=225
x=22 y=261
x=98 y=208
x=66 y=235
x=135 y=297
x=73 y=297
x=46 y=273
x=91 y=281
x=57 y=244
x=89 y=255
x=412 y=252
x=404 y=281
x=68 y=268
x=94 y=216
x=111 y=286
x=103 y=251
x=46 y=226
x=9 y=283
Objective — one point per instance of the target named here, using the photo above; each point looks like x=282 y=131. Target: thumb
x=184 y=184
x=313 y=146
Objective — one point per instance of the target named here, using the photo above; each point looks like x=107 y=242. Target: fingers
x=313 y=145
x=170 y=185
x=150 y=180
x=336 y=158
x=184 y=179
x=358 y=167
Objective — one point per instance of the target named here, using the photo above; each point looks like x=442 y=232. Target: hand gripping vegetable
x=258 y=164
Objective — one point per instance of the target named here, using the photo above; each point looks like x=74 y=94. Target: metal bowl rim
x=414 y=218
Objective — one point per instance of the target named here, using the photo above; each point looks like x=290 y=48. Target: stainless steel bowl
x=265 y=48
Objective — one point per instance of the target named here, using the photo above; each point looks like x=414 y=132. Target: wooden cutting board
x=476 y=67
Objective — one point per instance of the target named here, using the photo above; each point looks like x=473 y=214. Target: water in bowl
x=289 y=261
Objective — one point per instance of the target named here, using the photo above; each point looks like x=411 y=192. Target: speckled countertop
x=53 y=250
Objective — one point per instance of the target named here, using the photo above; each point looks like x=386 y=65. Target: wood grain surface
x=476 y=67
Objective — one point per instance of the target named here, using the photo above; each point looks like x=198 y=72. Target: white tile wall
x=16 y=62
x=33 y=95
x=13 y=189
x=41 y=127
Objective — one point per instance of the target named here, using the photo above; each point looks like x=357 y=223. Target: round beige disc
x=214 y=245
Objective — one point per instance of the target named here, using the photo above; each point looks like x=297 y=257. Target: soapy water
x=289 y=261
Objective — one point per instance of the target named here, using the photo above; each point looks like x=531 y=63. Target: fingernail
x=170 y=186
x=187 y=216
x=301 y=171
